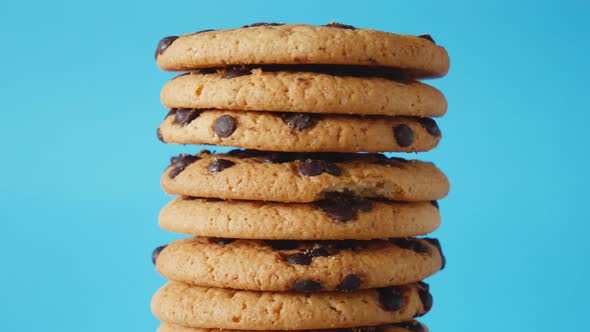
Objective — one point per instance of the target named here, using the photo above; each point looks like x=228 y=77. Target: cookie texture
x=411 y=326
x=284 y=265
x=335 y=218
x=303 y=44
x=301 y=132
x=193 y=306
x=303 y=92
x=292 y=177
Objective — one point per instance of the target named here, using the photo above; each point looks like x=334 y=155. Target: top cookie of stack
x=302 y=88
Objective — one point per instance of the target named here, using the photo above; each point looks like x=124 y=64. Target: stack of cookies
x=307 y=226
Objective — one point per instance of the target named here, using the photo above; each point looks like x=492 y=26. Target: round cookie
x=300 y=132
x=338 y=217
x=293 y=177
x=275 y=43
x=302 y=92
x=299 y=266
x=411 y=326
x=193 y=306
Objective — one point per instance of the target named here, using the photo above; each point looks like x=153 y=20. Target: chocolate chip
x=157 y=252
x=220 y=241
x=430 y=126
x=159 y=133
x=163 y=45
x=350 y=283
x=411 y=326
x=342 y=207
x=427 y=37
x=225 y=125
x=282 y=244
x=307 y=286
x=311 y=167
x=411 y=244
x=263 y=24
x=436 y=243
x=349 y=244
x=299 y=121
x=318 y=252
x=180 y=163
x=435 y=204
x=219 y=165
x=236 y=72
x=184 y=116
x=367 y=329
x=404 y=136
x=339 y=25
x=425 y=296
x=391 y=298
x=299 y=259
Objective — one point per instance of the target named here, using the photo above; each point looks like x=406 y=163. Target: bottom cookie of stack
x=181 y=304
x=411 y=326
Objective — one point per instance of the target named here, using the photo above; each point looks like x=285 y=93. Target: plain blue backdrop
x=81 y=163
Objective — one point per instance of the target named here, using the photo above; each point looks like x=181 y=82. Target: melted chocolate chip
x=404 y=136
x=435 y=204
x=318 y=252
x=342 y=207
x=225 y=125
x=219 y=165
x=350 y=283
x=299 y=259
x=391 y=298
x=299 y=121
x=164 y=44
x=339 y=25
x=236 y=72
x=306 y=286
x=425 y=296
x=430 y=126
x=157 y=252
x=349 y=244
x=427 y=37
x=436 y=243
x=220 y=241
x=180 y=163
x=184 y=116
x=411 y=244
x=412 y=326
x=282 y=244
x=263 y=24
x=159 y=133
x=312 y=167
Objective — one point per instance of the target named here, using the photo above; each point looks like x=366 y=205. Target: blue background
x=81 y=163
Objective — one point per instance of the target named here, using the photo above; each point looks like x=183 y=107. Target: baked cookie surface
x=339 y=217
x=302 y=92
x=293 y=177
x=290 y=265
x=411 y=326
x=193 y=306
x=300 y=132
x=276 y=43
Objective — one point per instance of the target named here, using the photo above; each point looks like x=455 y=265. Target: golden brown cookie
x=339 y=217
x=291 y=177
x=281 y=265
x=301 y=132
x=411 y=326
x=302 y=92
x=303 y=44
x=193 y=306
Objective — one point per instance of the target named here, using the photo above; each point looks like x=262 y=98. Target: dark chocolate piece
x=219 y=165
x=225 y=125
x=164 y=44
